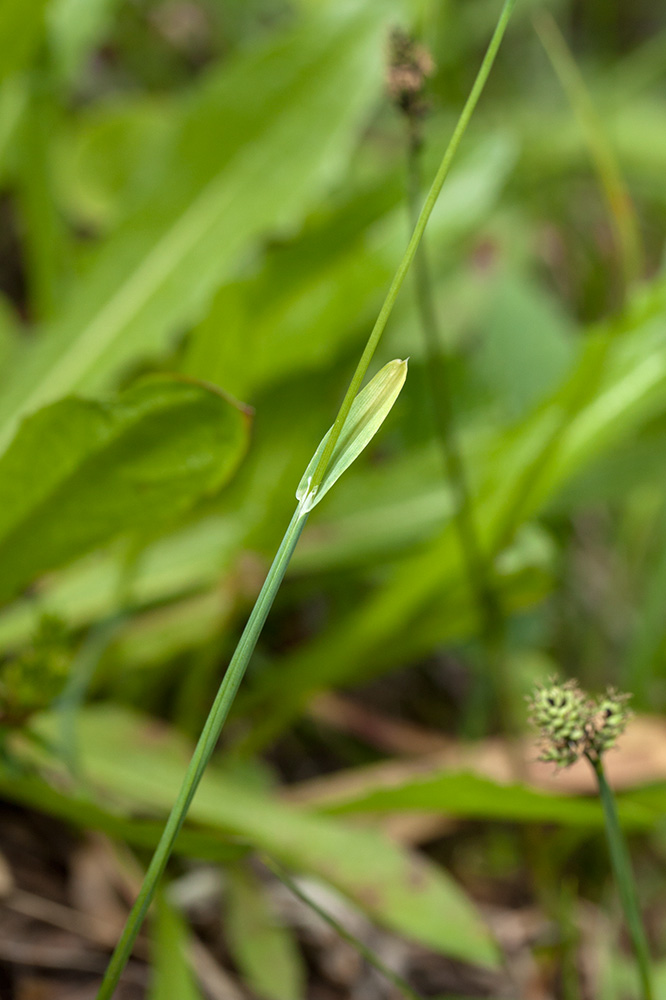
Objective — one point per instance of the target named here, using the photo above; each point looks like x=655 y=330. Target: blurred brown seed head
x=410 y=64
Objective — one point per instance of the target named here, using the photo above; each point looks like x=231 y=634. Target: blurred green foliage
x=31 y=680
x=213 y=192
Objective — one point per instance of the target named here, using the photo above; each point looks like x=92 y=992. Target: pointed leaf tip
x=368 y=412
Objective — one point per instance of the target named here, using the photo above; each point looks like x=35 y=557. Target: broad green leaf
x=368 y=412
x=128 y=756
x=112 y=155
x=28 y=789
x=651 y=797
x=527 y=345
x=264 y=950
x=230 y=179
x=185 y=560
x=172 y=975
x=80 y=472
x=75 y=26
x=21 y=27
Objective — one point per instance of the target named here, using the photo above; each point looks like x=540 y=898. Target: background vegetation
x=202 y=205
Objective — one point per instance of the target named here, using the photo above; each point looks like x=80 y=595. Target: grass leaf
x=264 y=950
x=228 y=180
x=172 y=976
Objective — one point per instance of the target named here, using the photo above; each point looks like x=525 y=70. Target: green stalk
x=86 y=661
x=81 y=675
x=202 y=754
x=624 y=877
x=239 y=662
x=412 y=246
x=475 y=564
x=437 y=370
x=620 y=206
x=362 y=949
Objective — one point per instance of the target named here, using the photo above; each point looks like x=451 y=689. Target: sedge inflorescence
x=410 y=64
x=571 y=723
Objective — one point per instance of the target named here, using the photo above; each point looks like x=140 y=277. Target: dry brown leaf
x=374 y=728
x=93 y=887
x=6 y=877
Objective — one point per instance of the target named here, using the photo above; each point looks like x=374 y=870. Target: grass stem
x=366 y=953
x=239 y=662
x=621 y=864
x=202 y=754
x=437 y=371
x=491 y=618
x=82 y=673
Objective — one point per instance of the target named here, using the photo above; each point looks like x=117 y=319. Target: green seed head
x=571 y=724
x=609 y=721
x=560 y=713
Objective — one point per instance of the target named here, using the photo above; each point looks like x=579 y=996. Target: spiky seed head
x=609 y=720
x=571 y=724
x=560 y=712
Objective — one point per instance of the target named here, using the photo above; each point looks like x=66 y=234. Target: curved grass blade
x=368 y=412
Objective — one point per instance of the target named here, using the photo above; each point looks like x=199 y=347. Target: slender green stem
x=202 y=753
x=71 y=700
x=442 y=409
x=234 y=674
x=362 y=949
x=419 y=229
x=86 y=661
x=624 y=878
